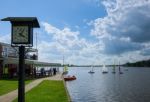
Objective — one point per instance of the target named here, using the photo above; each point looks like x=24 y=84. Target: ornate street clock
x=22 y=30
x=22 y=36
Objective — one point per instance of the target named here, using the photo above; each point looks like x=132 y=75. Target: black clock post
x=22 y=36
x=21 y=84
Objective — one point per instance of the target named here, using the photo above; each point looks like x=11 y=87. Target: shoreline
x=65 y=86
x=9 y=97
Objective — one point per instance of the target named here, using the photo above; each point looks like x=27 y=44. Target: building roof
x=5 y=44
x=33 y=20
x=27 y=49
x=29 y=62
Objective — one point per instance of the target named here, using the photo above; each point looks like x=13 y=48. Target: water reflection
x=132 y=86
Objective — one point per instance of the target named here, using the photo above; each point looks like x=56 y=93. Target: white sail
x=92 y=70
x=104 y=69
x=114 y=68
x=65 y=70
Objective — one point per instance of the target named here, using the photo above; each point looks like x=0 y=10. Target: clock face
x=20 y=34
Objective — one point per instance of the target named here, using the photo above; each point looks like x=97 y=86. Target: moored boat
x=92 y=70
x=120 y=72
x=65 y=70
x=114 y=69
x=69 y=78
x=104 y=69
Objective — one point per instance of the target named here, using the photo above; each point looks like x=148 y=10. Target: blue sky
x=85 y=31
x=60 y=13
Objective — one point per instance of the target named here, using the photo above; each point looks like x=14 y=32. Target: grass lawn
x=47 y=91
x=9 y=85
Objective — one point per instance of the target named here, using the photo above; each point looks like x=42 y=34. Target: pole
x=21 y=86
x=36 y=41
x=63 y=60
x=36 y=46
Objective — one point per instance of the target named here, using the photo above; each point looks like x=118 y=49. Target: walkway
x=13 y=95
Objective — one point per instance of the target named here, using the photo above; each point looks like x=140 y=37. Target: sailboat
x=114 y=69
x=120 y=72
x=126 y=69
x=65 y=70
x=104 y=69
x=92 y=70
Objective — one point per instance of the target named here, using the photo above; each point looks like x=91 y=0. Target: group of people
x=49 y=72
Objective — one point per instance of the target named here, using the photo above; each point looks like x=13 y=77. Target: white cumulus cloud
x=76 y=50
x=126 y=26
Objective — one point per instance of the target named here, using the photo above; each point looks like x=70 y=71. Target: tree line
x=143 y=63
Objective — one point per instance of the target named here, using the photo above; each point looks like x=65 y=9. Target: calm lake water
x=131 y=86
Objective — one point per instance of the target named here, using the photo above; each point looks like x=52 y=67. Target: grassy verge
x=7 y=86
x=47 y=91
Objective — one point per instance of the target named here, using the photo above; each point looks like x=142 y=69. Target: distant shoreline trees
x=143 y=63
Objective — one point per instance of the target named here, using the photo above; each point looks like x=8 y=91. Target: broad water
x=131 y=86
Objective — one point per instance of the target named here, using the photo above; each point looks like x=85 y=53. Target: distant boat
x=104 y=69
x=92 y=70
x=126 y=69
x=120 y=72
x=114 y=69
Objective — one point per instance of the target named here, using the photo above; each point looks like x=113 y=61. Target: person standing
x=54 y=70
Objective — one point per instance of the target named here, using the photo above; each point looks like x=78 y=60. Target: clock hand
x=21 y=34
x=22 y=31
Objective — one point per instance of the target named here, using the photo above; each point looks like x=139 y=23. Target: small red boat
x=69 y=78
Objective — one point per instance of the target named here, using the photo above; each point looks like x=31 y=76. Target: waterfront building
x=9 y=60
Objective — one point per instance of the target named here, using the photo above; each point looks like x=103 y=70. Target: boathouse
x=9 y=60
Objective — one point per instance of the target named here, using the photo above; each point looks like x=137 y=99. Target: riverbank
x=8 y=85
x=47 y=91
x=9 y=97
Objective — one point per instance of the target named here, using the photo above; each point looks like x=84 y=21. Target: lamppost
x=22 y=36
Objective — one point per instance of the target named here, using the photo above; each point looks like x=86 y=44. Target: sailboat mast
x=63 y=60
x=114 y=66
x=119 y=66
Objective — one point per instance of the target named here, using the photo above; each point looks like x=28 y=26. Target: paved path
x=9 y=97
